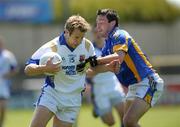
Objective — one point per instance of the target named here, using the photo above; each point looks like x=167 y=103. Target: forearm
x=101 y=68
x=91 y=72
x=116 y=56
x=33 y=69
x=109 y=58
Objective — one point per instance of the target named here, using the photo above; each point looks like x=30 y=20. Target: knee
x=109 y=122
x=128 y=122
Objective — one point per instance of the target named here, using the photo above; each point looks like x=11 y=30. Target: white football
x=45 y=57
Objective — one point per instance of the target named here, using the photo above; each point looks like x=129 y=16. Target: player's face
x=75 y=38
x=103 y=26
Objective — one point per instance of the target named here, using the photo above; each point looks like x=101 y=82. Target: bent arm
x=116 y=56
x=108 y=63
x=33 y=69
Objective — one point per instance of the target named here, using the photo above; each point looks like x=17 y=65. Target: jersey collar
x=62 y=41
x=112 y=32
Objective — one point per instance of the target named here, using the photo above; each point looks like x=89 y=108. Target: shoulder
x=51 y=44
x=120 y=35
x=88 y=44
x=8 y=54
x=120 y=32
x=47 y=47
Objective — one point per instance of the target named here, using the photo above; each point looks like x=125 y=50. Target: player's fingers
x=50 y=60
x=116 y=64
x=57 y=63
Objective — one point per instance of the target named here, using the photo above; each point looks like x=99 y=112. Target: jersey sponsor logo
x=63 y=59
x=71 y=58
x=69 y=70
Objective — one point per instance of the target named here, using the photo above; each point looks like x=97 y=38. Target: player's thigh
x=127 y=105
x=136 y=109
x=120 y=108
x=41 y=117
x=59 y=123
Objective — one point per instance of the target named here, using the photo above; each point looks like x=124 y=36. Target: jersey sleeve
x=104 y=50
x=89 y=47
x=121 y=41
x=37 y=54
x=92 y=50
x=13 y=62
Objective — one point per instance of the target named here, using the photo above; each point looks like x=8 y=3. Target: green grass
x=161 y=116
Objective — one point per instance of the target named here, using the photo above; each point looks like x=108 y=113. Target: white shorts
x=149 y=89
x=4 y=91
x=105 y=102
x=65 y=106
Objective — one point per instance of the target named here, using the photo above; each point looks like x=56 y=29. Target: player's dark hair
x=110 y=14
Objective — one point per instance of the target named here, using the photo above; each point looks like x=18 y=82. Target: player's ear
x=113 y=23
x=66 y=32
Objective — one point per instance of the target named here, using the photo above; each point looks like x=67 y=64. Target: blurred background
x=154 y=24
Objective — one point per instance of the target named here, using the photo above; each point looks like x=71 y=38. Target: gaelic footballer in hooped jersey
x=136 y=65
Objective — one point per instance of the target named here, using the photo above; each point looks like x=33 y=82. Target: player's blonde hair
x=77 y=22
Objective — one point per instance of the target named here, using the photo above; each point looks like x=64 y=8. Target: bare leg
x=134 y=110
x=120 y=109
x=41 y=117
x=2 y=111
x=108 y=119
x=59 y=123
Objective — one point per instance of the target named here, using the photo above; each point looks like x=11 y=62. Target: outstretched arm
x=103 y=61
x=113 y=66
x=107 y=59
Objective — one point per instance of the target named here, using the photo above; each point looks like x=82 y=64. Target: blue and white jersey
x=67 y=80
x=7 y=64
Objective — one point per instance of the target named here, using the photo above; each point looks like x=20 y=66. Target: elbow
x=27 y=71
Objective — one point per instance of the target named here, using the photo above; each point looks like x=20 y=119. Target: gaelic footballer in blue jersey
x=136 y=72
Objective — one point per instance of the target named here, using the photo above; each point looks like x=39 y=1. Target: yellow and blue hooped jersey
x=136 y=65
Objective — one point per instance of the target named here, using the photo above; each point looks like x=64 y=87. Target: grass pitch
x=160 y=116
